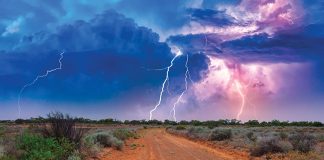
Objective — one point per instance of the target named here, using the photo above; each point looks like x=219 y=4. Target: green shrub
x=270 y=145
x=118 y=144
x=303 y=142
x=180 y=127
x=220 y=134
x=37 y=147
x=123 y=134
x=105 y=139
x=90 y=147
x=198 y=133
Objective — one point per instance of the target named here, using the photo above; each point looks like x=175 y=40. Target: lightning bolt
x=164 y=82
x=239 y=89
x=36 y=79
x=186 y=88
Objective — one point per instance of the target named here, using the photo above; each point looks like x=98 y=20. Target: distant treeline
x=210 y=123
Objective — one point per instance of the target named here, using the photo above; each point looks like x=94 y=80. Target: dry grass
x=278 y=142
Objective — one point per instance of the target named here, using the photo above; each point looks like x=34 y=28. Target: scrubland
x=62 y=137
x=294 y=143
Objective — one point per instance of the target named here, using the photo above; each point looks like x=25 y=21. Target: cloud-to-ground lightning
x=239 y=89
x=183 y=92
x=178 y=53
x=36 y=79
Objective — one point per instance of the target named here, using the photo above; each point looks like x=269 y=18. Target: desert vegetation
x=58 y=137
x=61 y=136
x=264 y=142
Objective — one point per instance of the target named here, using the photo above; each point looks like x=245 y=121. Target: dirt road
x=156 y=144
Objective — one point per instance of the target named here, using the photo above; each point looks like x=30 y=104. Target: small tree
x=63 y=127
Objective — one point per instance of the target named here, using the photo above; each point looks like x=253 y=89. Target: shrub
x=270 y=145
x=38 y=147
x=118 y=144
x=180 y=127
x=283 y=135
x=198 y=133
x=251 y=136
x=63 y=126
x=123 y=134
x=90 y=147
x=220 y=134
x=105 y=139
x=303 y=142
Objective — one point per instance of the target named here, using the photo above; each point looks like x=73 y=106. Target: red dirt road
x=156 y=144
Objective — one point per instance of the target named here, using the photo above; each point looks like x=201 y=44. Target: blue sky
x=115 y=52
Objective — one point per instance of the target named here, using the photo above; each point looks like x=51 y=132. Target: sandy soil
x=156 y=144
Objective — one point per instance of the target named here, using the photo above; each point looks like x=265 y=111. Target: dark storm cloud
x=211 y=17
x=196 y=43
x=303 y=43
x=105 y=56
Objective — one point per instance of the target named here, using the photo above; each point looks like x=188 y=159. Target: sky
x=177 y=60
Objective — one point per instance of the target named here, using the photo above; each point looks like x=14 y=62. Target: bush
x=220 y=134
x=90 y=147
x=198 y=133
x=303 y=142
x=37 y=147
x=270 y=145
x=105 y=139
x=63 y=126
x=180 y=128
x=283 y=135
x=251 y=136
x=123 y=134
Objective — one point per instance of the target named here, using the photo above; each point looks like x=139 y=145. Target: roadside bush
x=180 y=127
x=303 y=142
x=220 y=134
x=198 y=133
x=90 y=147
x=105 y=139
x=270 y=145
x=63 y=126
x=37 y=147
x=123 y=134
